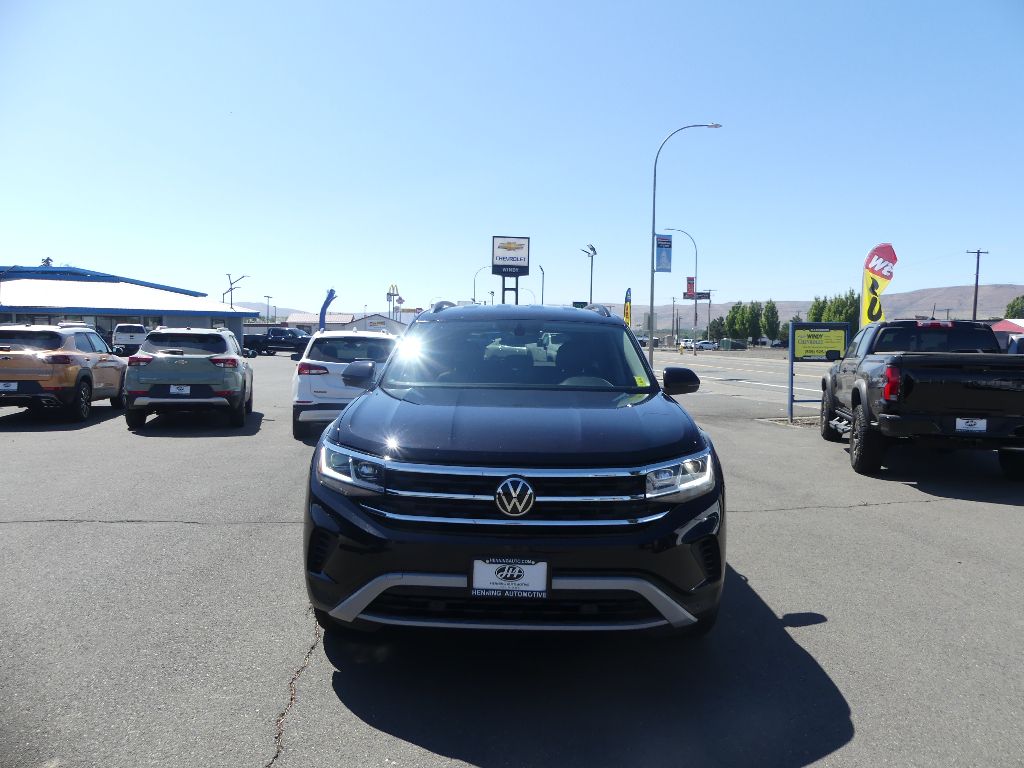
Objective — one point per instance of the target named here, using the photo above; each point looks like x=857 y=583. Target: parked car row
x=68 y=367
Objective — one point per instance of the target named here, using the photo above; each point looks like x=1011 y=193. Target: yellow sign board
x=812 y=343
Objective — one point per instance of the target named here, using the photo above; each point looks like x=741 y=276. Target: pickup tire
x=1012 y=463
x=828 y=412
x=867 y=446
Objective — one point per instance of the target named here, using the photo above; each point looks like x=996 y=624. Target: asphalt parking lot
x=155 y=613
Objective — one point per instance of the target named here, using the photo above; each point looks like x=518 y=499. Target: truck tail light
x=934 y=323
x=57 y=359
x=891 y=391
x=224 y=362
x=307 y=369
x=140 y=360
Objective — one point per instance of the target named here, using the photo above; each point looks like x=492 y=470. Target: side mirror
x=359 y=374
x=832 y=355
x=680 y=381
x=296 y=355
x=119 y=351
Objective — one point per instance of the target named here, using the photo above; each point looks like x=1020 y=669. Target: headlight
x=689 y=478
x=349 y=473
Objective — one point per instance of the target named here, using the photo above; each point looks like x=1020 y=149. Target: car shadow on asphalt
x=54 y=420
x=964 y=474
x=198 y=424
x=746 y=695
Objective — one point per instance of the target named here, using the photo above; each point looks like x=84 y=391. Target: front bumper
x=364 y=569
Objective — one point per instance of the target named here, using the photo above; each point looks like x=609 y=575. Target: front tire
x=866 y=445
x=249 y=403
x=80 y=407
x=1012 y=463
x=121 y=401
x=828 y=412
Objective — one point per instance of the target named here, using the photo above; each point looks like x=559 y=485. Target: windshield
x=29 y=339
x=188 y=343
x=349 y=348
x=936 y=339
x=516 y=354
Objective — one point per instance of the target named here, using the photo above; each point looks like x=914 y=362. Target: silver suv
x=179 y=369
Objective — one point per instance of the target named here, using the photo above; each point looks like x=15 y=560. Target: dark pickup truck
x=941 y=382
x=277 y=340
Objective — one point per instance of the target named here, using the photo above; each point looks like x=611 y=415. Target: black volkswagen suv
x=487 y=481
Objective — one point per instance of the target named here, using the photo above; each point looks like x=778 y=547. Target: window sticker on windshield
x=641 y=381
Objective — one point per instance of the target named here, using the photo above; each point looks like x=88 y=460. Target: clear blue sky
x=354 y=145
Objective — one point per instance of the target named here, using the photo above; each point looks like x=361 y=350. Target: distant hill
x=956 y=300
x=282 y=312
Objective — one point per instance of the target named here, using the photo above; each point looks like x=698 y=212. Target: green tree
x=770 y=320
x=844 y=309
x=817 y=309
x=753 y=329
x=1015 y=308
x=736 y=321
x=716 y=329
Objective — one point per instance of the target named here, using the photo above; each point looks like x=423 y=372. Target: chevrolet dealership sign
x=510 y=256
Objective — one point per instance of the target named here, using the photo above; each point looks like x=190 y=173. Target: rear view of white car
x=318 y=392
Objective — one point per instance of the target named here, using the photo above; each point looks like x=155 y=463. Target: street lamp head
x=715 y=125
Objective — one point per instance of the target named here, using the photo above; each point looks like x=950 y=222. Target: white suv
x=318 y=393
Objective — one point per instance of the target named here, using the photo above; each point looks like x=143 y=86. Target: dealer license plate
x=180 y=389
x=509 y=577
x=971 y=425
x=8 y=386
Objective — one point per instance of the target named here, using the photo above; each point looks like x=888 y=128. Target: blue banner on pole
x=663 y=253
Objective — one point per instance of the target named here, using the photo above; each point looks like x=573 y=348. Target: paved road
x=154 y=613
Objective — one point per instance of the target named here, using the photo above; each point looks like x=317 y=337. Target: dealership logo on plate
x=509 y=572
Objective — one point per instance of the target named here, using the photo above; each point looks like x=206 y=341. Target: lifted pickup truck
x=277 y=340
x=939 y=382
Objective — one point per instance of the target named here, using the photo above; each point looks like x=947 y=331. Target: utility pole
x=977 y=269
x=268 y=298
x=541 y=285
x=675 y=325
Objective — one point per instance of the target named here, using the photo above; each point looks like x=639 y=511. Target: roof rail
x=441 y=305
x=601 y=309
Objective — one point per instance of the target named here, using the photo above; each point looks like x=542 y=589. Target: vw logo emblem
x=509 y=572
x=514 y=497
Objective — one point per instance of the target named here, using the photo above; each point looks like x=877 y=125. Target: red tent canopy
x=1010 y=326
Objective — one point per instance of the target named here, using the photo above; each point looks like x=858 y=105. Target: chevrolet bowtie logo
x=511 y=246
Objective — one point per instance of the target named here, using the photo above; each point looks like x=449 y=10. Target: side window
x=98 y=344
x=851 y=351
x=865 y=342
x=82 y=343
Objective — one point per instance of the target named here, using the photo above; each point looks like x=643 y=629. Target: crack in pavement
x=134 y=521
x=292 y=692
x=839 y=506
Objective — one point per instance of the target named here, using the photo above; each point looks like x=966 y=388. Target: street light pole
x=654 y=206
x=231 y=289
x=541 y=285
x=474 y=280
x=591 y=251
x=268 y=298
x=674 y=331
x=694 y=280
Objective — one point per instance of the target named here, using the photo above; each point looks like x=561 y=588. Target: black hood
x=520 y=428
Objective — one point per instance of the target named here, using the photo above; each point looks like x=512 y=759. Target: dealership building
x=47 y=295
